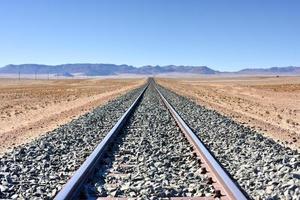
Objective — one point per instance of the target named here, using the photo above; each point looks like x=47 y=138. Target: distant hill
x=291 y=70
x=175 y=69
x=101 y=69
x=88 y=69
x=82 y=69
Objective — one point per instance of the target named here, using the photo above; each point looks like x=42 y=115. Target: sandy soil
x=29 y=108
x=271 y=105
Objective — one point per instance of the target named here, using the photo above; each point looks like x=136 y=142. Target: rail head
x=228 y=185
x=72 y=188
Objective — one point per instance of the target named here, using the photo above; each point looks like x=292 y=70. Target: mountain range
x=88 y=69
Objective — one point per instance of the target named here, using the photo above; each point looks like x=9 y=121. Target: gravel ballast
x=262 y=167
x=40 y=168
x=150 y=158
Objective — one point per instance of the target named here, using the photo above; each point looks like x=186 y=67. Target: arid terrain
x=271 y=105
x=29 y=108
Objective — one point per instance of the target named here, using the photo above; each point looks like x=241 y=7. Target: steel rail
x=232 y=191
x=72 y=188
x=222 y=181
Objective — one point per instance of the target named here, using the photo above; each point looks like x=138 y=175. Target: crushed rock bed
x=40 y=168
x=150 y=158
x=264 y=168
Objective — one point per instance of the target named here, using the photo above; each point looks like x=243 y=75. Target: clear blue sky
x=224 y=35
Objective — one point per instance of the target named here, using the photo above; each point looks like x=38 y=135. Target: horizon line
x=242 y=68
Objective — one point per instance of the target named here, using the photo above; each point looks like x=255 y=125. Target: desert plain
x=30 y=108
x=270 y=104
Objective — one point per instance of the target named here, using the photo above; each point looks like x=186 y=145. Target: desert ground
x=29 y=108
x=270 y=105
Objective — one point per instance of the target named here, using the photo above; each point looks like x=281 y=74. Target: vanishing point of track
x=224 y=186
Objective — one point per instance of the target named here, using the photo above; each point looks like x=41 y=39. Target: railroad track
x=151 y=152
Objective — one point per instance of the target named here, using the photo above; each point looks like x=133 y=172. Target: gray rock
x=37 y=170
x=255 y=161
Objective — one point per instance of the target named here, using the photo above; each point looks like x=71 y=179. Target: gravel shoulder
x=269 y=105
x=40 y=168
x=264 y=168
x=30 y=108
